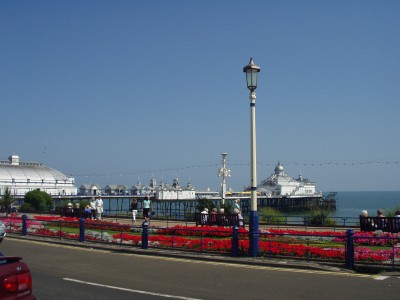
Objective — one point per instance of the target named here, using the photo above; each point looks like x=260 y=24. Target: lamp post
x=224 y=172
x=252 y=71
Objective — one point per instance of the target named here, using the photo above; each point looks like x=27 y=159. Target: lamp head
x=251 y=71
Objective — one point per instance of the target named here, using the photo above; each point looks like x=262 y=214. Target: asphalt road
x=65 y=272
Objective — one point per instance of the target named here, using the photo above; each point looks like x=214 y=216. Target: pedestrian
x=133 y=209
x=213 y=216
x=93 y=208
x=222 y=220
x=396 y=221
x=77 y=210
x=204 y=216
x=236 y=205
x=240 y=217
x=380 y=223
x=99 y=208
x=88 y=212
x=379 y=213
x=146 y=207
x=69 y=210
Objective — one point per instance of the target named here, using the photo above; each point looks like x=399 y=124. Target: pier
x=183 y=208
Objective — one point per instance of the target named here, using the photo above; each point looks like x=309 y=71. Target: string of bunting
x=242 y=164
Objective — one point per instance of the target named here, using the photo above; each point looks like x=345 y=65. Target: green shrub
x=392 y=212
x=202 y=203
x=272 y=216
x=6 y=201
x=39 y=200
x=26 y=208
x=319 y=217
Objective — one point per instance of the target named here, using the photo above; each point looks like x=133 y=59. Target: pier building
x=23 y=176
x=281 y=184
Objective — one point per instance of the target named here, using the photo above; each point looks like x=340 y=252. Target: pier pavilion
x=23 y=176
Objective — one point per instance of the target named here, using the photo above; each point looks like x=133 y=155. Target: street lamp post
x=252 y=71
x=224 y=172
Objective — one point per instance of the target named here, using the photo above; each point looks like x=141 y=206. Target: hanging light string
x=246 y=164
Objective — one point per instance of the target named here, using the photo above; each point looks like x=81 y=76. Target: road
x=65 y=272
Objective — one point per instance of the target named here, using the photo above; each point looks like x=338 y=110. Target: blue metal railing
x=274 y=244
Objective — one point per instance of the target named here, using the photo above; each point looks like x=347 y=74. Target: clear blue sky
x=113 y=91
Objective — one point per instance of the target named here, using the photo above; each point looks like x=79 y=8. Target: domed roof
x=31 y=173
x=17 y=171
x=278 y=168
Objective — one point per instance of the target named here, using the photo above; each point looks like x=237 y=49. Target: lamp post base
x=253 y=234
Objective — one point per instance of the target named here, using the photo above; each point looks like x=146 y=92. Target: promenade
x=199 y=256
x=289 y=261
x=262 y=226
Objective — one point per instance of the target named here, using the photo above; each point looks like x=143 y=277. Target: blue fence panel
x=356 y=249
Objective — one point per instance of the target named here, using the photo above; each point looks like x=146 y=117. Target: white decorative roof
x=22 y=177
x=281 y=184
x=24 y=171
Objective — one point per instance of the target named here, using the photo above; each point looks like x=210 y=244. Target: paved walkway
x=171 y=223
x=272 y=262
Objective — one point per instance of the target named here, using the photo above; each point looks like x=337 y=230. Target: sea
x=350 y=204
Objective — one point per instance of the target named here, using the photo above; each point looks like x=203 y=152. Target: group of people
x=93 y=210
x=377 y=223
x=146 y=205
x=219 y=217
x=96 y=208
x=379 y=213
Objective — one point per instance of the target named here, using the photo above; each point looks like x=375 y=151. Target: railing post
x=305 y=218
x=350 y=249
x=235 y=241
x=145 y=235
x=81 y=230
x=24 y=225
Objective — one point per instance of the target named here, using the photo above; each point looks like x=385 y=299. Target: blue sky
x=113 y=91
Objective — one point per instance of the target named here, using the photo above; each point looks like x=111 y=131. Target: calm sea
x=350 y=204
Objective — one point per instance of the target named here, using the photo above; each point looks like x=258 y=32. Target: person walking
x=93 y=208
x=240 y=217
x=99 y=208
x=133 y=209
x=236 y=205
x=146 y=207
x=204 y=216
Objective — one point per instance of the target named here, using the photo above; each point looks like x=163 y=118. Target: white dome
x=278 y=168
x=38 y=173
x=22 y=177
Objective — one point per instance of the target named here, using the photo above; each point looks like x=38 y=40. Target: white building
x=175 y=192
x=22 y=177
x=141 y=189
x=281 y=184
x=90 y=189
x=165 y=191
x=116 y=189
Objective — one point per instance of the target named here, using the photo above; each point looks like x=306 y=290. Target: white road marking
x=381 y=277
x=257 y=267
x=129 y=290
x=214 y=263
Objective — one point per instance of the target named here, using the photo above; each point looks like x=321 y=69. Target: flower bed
x=327 y=245
x=89 y=224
